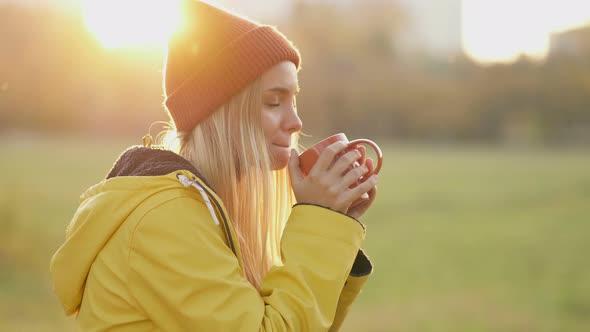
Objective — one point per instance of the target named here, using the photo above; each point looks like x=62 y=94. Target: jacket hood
x=103 y=208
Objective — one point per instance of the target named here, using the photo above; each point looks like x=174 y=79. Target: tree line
x=55 y=76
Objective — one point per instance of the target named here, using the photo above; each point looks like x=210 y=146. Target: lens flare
x=129 y=23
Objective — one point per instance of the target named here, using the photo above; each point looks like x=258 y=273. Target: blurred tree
x=59 y=77
x=355 y=78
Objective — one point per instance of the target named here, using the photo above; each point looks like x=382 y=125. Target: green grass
x=462 y=238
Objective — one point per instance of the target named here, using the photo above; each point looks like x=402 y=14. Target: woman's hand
x=360 y=209
x=327 y=184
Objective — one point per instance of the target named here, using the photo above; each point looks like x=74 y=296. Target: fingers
x=370 y=165
x=372 y=193
x=358 y=173
x=294 y=169
x=353 y=176
x=362 y=149
x=362 y=188
x=345 y=161
x=358 y=209
x=369 y=196
x=326 y=157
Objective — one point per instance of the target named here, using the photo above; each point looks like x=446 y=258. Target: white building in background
x=573 y=42
x=433 y=27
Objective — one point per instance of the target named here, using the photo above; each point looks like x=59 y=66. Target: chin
x=279 y=164
x=280 y=160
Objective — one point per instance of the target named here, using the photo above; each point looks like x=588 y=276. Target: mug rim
x=327 y=141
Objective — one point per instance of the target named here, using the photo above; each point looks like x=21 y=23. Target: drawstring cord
x=191 y=183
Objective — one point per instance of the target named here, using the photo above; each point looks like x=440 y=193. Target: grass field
x=462 y=238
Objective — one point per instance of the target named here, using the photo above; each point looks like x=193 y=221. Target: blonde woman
x=206 y=236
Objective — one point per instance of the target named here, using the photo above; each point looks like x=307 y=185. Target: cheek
x=270 y=123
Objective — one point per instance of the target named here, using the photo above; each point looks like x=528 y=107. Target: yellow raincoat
x=151 y=249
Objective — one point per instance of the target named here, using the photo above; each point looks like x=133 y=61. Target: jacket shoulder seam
x=155 y=206
x=136 y=226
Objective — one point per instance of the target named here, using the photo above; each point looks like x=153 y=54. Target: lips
x=282 y=145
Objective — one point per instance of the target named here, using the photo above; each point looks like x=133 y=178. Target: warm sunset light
x=124 y=23
x=501 y=30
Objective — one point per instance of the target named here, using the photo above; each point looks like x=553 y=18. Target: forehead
x=283 y=74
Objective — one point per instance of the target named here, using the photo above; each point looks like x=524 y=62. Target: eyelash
x=277 y=105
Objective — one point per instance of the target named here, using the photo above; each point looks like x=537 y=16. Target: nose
x=292 y=122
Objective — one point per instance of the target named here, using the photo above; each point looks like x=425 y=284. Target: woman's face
x=279 y=114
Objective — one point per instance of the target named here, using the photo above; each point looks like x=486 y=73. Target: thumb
x=294 y=169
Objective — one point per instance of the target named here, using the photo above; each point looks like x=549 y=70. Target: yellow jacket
x=151 y=249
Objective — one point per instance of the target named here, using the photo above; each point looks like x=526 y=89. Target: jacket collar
x=144 y=161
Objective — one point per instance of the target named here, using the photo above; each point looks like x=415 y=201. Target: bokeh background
x=482 y=108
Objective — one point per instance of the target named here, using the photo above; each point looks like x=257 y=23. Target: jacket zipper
x=221 y=211
x=224 y=218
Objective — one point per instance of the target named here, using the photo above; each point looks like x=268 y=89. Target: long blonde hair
x=228 y=149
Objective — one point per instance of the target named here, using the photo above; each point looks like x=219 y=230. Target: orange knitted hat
x=213 y=57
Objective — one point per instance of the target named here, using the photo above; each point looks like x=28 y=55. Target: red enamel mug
x=309 y=157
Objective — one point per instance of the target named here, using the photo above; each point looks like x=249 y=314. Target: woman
x=206 y=237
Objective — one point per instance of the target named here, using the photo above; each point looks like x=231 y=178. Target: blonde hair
x=229 y=150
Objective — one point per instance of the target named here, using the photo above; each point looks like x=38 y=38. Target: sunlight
x=128 y=23
x=501 y=30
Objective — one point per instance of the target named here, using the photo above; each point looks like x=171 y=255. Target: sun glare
x=128 y=23
x=501 y=30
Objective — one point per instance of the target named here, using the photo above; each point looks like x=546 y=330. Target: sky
x=490 y=30
x=500 y=30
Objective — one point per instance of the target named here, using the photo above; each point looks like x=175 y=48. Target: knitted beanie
x=214 y=56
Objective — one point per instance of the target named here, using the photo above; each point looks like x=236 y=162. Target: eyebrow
x=284 y=90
